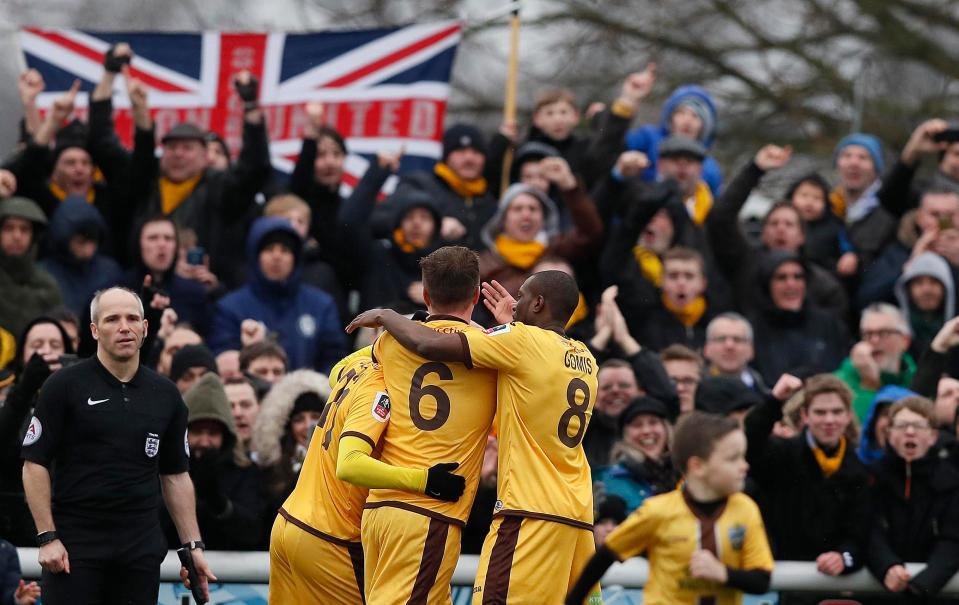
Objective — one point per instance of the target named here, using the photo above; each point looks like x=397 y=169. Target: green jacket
x=862 y=397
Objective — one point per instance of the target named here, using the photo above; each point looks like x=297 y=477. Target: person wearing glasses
x=729 y=350
x=880 y=358
x=915 y=506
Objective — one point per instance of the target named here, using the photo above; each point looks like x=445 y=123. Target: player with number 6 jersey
x=440 y=412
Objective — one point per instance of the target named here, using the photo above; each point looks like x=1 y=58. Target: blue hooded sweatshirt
x=78 y=279
x=304 y=318
x=647 y=138
x=869 y=451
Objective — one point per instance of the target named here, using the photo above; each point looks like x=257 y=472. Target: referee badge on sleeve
x=152 y=445
x=381 y=407
x=33 y=431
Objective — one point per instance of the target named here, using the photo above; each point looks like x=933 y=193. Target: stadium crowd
x=828 y=330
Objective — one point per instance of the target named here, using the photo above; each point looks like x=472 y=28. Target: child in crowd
x=915 y=506
x=704 y=541
x=827 y=244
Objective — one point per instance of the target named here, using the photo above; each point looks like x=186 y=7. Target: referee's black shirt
x=105 y=442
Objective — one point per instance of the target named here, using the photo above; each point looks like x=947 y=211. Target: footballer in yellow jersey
x=541 y=536
x=315 y=550
x=440 y=411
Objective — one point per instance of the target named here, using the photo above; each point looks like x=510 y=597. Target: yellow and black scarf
x=688 y=315
x=173 y=194
x=462 y=187
x=519 y=254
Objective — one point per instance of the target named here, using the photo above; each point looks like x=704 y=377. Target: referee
x=103 y=430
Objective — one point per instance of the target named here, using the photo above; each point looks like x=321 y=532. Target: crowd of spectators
x=829 y=331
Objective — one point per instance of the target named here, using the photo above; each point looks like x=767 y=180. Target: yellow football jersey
x=442 y=412
x=360 y=407
x=668 y=530
x=546 y=390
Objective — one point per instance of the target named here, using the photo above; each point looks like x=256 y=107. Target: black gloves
x=247 y=90
x=113 y=63
x=34 y=374
x=205 y=472
x=443 y=484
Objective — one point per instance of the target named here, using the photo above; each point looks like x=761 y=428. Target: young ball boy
x=704 y=540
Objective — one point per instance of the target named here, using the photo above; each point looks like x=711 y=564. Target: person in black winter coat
x=812 y=487
x=74 y=257
x=782 y=231
x=215 y=204
x=317 y=178
x=457 y=187
x=228 y=502
x=915 y=506
x=39 y=348
x=827 y=243
x=792 y=334
x=156 y=248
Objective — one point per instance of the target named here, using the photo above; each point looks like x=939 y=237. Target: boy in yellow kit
x=705 y=541
x=315 y=551
x=541 y=535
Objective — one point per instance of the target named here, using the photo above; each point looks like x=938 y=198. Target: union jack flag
x=381 y=88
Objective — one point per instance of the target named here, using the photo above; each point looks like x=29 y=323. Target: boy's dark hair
x=817 y=181
x=916 y=404
x=549 y=96
x=263 y=348
x=678 y=352
x=685 y=254
x=450 y=275
x=332 y=134
x=696 y=435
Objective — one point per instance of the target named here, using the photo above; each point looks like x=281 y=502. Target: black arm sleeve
x=592 y=574
x=655 y=381
x=930 y=368
x=896 y=194
x=729 y=246
x=753 y=581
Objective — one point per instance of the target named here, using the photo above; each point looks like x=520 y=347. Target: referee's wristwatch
x=46 y=537
x=193 y=545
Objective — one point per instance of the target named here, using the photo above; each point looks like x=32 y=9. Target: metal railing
x=254 y=567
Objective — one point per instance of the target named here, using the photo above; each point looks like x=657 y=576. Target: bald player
x=315 y=550
x=541 y=535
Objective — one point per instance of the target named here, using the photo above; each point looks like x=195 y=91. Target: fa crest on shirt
x=152 y=445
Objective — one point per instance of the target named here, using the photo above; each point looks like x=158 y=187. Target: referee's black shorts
x=110 y=563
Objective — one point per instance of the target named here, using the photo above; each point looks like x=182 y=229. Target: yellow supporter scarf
x=830 y=465
x=8 y=349
x=519 y=254
x=462 y=187
x=650 y=265
x=838 y=202
x=579 y=313
x=406 y=246
x=173 y=194
x=700 y=203
x=688 y=315
x=61 y=195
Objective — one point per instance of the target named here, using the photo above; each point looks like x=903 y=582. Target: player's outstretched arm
x=419 y=339
x=355 y=465
x=592 y=574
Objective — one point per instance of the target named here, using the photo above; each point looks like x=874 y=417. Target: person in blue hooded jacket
x=73 y=257
x=688 y=112
x=304 y=318
x=875 y=431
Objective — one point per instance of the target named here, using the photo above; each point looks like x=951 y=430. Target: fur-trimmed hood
x=273 y=420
